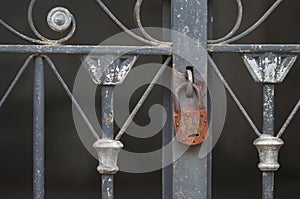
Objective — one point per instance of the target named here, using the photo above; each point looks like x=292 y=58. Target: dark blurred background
x=71 y=170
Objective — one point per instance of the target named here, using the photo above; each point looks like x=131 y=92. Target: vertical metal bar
x=108 y=132
x=209 y=72
x=167 y=172
x=38 y=129
x=268 y=128
x=190 y=173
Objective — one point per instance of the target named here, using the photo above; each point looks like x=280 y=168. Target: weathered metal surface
x=107 y=126
x=184 y=172
x=269 y=67
x=191 y=129
x=147 y=50
x=83 y=49
x=107 y=184
x=189 y=88
x=190 y=173
x=167 y=171
x=268 y=128
x=268 y=125
x=109 y=69
x=254 y=48
x=188 y=177
x=108 y=151
x=191 y=125
x=57 y=15
x=59 y=19
x=268 y=148
x=211 y=83
x=38 y=129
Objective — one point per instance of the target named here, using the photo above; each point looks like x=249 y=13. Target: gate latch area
x=191 y=122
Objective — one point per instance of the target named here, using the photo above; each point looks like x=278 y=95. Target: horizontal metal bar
x=146 y=50
x=83 y=49
x=254 y=48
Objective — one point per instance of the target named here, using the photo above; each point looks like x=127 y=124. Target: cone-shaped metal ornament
x=269 y=67
x=268 y=148
x=108 y=151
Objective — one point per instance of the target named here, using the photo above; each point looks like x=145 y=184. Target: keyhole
x=193 y=135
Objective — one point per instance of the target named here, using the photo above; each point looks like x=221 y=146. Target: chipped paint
x=108 y=151
x=269 y=67
x=268 y=149
x=108 y=70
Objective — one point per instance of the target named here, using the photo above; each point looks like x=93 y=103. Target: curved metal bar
x=235 y=28
x=44 y=40
x=236 y=100
x=30 y=21
x=69 y=93
x=289 y=119
x=35 y=31
x=123 y=27
x=22 y=36
x=13 y=84
x=142 y=99
x=256 y=24
x=137 y=18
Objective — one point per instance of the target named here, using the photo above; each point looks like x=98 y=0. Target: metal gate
x=188 y=176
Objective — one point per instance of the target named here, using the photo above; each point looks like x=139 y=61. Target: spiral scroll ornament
x=59 y=19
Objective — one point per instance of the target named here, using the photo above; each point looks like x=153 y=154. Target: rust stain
x=190 y=116
x=191 y=127
x=111 y=118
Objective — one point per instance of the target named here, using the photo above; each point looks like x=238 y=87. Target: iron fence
x=189 y=176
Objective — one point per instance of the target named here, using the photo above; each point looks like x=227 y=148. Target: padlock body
x=191 y=127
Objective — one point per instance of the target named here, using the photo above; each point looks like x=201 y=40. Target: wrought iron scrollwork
x=148 y=39
x=60 y=19
x=137 y=10
x=230 y=36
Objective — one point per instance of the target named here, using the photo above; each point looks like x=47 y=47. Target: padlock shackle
x=177 y=92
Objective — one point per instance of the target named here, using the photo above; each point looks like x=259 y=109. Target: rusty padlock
x=191 y=126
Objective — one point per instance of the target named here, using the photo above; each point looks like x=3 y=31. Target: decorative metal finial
x=108 y=151
x=59 y=19
x=109 y=69
x=268 y=148
x=269 y=67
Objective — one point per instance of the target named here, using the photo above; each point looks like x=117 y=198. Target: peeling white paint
x=104 y=70
x=269 y=67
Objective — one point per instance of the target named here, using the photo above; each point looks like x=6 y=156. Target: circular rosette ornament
x=59 y=19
